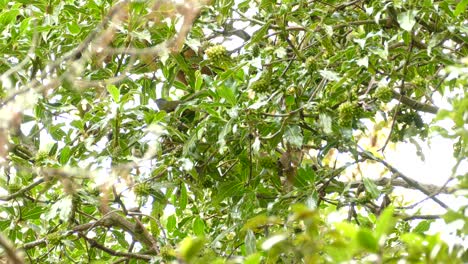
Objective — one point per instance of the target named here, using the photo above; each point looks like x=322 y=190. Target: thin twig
x=397 y=173
x=112 y=252
x=22 y=191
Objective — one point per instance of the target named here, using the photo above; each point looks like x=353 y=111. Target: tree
x=246 y=166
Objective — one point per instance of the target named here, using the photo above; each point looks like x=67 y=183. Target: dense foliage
x=268 y=140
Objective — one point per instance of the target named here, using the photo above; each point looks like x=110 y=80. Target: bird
x=168 y=106
x=185 y=118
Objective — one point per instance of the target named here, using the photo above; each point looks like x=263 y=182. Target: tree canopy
x=228 y=131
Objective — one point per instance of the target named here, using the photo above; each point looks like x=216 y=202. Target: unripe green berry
x=291 y=90
x=267 y=162
x=54 y=238
x=384 y=94
x=41 y=156
x=347 y=109
x=260 y=86
x=142 y=189
x=255 y=51
x=322 y=106
x=167 y=252
x=217 y=53
x=346 y=113
x=415 y=118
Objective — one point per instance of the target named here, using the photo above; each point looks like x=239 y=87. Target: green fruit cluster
x=54 y=238
x=167 y=252
x=41 y=156
x=217 y=53
x=255 y=51
x=142 y=189
x=384 y=94
x=347 y=111
x=412 y=118
x=267 y=162
x=322 y=106
x=260 y=86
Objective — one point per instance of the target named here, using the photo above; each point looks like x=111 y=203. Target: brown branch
x=110 y=220
x=392 y=127
x=412 y=183
x=413 y=104
x=10 y=251
x=113 y=219
x=401 y=183
x=190 y=10
x=344 y=5
x=34 y=244
x=359 y=22
x=112 y=252
x=431 y=27
x=427 y=217
x=22 y=191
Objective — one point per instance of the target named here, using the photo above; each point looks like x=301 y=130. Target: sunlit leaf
x=407 y=19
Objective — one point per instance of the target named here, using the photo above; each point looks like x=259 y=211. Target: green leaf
x=222 y=136
x=407 y=20
x=461 y=7
x=385 y=223
x=73 y=27
x=198 y=80
x=114 y=92
x=422 y=227
x=8 y=17
x=120 y=237
x=371 y=188
x=183 y=198
x=32 y=212
x=171 y=223
x=305 y=177
x=198 y=226
x=78 y=124
x=190 y=247
x=452 y=216
x=229 y=189
x=293 y=135
x=259 y=34
x=25 y=24
x=367 y=240
x=65 y=155
x=227 y=93
x=253 y=259
x=53 y=150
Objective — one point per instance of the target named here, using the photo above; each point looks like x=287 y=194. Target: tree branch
x=427 y=217
x=10 y=251
x=112 y=252
x=401 y=183
x=22 y=191
x=436 y=29
x=414 y=184
x=415 y=104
